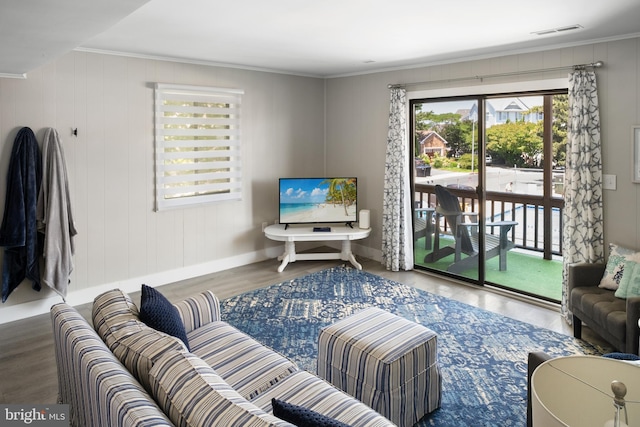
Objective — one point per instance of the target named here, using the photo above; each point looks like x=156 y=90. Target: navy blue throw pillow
x=302 y=417
x=158 y=313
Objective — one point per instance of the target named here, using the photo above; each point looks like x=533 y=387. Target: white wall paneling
x=121 y=240
x=291 y=126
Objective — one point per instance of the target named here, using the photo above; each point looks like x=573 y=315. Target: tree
x=517 y=142
x=341 y=190
x=447 y=125
x=560 y=108
x=456 y=136
x=560 y=111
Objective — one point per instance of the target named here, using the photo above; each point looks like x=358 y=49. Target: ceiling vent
x=558 y=30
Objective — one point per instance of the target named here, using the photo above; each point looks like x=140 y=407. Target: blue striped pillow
x=110 y=311
x=191 y=393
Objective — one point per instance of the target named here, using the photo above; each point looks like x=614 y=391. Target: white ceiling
x=317 y=38
x=35 y=32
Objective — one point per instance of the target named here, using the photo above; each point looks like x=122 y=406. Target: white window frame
x=197 y=145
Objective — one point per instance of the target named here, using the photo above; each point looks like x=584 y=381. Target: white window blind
x=197 y=145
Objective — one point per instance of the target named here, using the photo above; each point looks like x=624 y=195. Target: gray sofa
x=614 y=319
x=123 y=373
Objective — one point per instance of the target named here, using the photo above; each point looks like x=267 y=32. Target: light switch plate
x=609 y=182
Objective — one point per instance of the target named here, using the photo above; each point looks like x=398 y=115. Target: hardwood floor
x=27 y=359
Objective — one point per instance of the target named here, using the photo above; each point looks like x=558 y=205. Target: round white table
x=576 y=391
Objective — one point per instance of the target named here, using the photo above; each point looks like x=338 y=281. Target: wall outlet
x=608 y=182
x=264 y=225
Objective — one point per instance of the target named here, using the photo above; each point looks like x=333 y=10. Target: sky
x=447 y=107
x=302 y=190
x=453 y=106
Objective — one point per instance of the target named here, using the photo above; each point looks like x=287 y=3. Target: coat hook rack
x=74 y=131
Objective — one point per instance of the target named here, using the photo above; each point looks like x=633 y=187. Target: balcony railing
x=539 y=220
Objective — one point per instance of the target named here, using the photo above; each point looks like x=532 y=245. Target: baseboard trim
x=35 y=308
x=42 y=306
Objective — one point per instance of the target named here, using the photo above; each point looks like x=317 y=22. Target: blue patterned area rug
x=482 y=355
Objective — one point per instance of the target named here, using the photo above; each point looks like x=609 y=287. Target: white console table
x=297 y=233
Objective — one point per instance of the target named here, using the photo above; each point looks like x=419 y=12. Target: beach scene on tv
x=318 y=200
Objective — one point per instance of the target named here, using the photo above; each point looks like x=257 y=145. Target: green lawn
x=527 y=272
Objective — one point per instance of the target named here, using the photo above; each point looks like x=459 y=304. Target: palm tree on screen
x=342 y=190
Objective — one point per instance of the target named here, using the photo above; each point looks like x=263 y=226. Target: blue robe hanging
x=19 y=233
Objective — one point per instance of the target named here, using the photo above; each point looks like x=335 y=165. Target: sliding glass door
x=488 y=174
x=447 y=169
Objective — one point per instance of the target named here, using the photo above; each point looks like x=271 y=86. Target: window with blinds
x=197 y=145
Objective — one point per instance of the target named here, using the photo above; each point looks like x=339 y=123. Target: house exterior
x=431 y=143
x=504 y=110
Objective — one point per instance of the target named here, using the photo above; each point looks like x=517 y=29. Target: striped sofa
x=120 y=372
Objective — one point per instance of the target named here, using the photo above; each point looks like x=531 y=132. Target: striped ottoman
x=385 y=361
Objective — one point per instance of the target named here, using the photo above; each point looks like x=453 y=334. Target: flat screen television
x=318 y=200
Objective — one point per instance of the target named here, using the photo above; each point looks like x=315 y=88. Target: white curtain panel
x=582 y=239
x=397 y=249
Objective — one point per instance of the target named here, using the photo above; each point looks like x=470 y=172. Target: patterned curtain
x=397 y=249
x=582 y=239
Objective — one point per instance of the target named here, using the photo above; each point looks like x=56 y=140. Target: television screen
x=318 y=200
